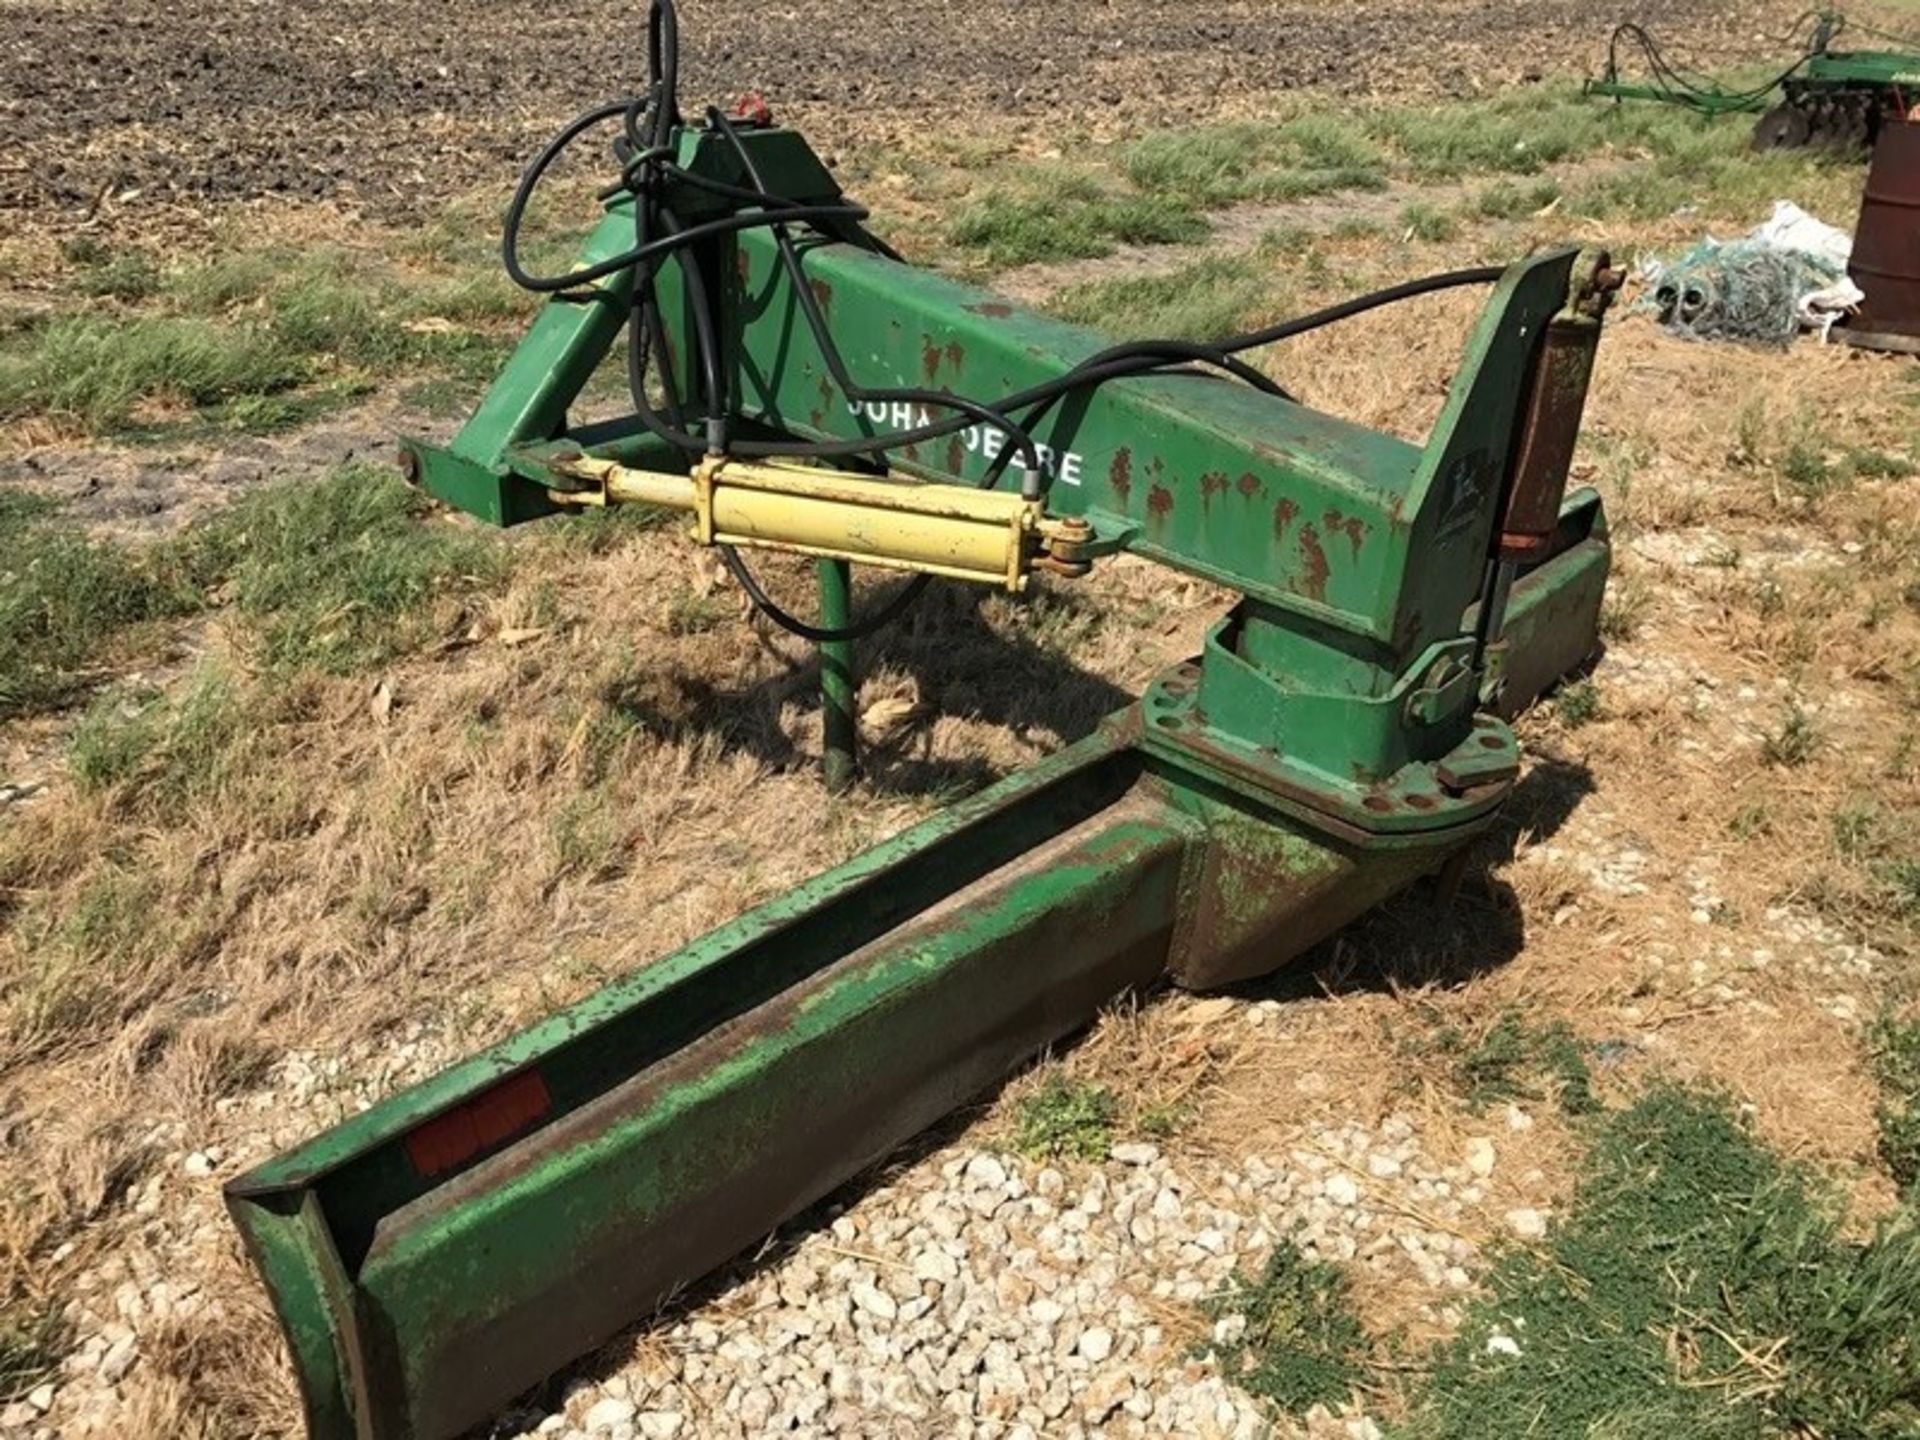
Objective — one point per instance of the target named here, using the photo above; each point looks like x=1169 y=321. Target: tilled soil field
x=390 y=107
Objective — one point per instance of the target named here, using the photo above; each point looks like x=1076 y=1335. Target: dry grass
x=557 y=789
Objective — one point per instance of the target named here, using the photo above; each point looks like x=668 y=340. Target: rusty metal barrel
x=1886 y=245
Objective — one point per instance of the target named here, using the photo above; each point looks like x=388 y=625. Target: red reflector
x=448 y=1141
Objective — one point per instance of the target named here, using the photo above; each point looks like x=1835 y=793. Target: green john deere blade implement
x=1339 y=736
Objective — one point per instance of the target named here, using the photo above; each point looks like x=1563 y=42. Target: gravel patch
x=981 y=1294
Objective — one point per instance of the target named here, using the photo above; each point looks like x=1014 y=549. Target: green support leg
x=839 y=730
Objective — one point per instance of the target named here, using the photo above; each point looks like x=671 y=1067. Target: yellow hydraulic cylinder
x=986 y=536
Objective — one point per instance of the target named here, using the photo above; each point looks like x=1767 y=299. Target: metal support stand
x=838 y=727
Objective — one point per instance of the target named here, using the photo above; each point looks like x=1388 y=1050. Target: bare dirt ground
x=608 y=756
x=392 y=107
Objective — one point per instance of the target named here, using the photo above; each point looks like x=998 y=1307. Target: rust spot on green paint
x=1120 y=472
x=929 y=358
x=1159 y=502
x=1313 y=565
x=1213 y=483
x=823 y=292
x=1249 y=484
x=1284 y=511
x=1354 y=528
x=956 y=456
x=956 y=354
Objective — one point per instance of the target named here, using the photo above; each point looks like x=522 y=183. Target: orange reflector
x=448 y=1141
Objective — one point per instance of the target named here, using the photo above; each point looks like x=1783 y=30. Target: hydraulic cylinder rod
x=989 y=537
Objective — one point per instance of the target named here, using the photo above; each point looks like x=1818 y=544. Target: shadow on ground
x=1438 y=933
x=959 y=664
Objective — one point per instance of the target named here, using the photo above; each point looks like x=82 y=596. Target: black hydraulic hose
x=1140 y=357
x=706 y=337
x=530 y=181
x=663 y=66
x=1128 y=359
x=830 y=352
x=1678 y=84
x=1360 y=304
x=707 y=341
x=627 y=260
x=868 y=624
x=650 y=161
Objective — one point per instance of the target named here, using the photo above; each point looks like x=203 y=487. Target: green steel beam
x=1357 y=553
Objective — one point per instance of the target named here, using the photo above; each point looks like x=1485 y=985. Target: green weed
x=346 y=572
x=1303 y=1344
x=1624 y=609
x=1511 y=200
x=99 y=371
x=1518 y=1061
x=1357 y=227
x=1428 y=222
x=1856 y=830
x=1807 y=467
x=1075 y=218
x=32 y=1339
x=1162 y=1119
x=1901 y=880
x=1793 y=741
x=587 y=838
x=1579 y=703
x=1879 y=465
x=1285 y=242
x=1895 y=1050
x=1750 y=822
x=1218 y=165
x=174 y=752
x=77 y=966
x=599 y=531
x=1066 y=1119
x=128 y=276
x=1749 y=433
x=691 y=613
x=253 y=340
x=1699 y=1286
x=65 y=599
x=1516 y=136
x=1203 y=301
